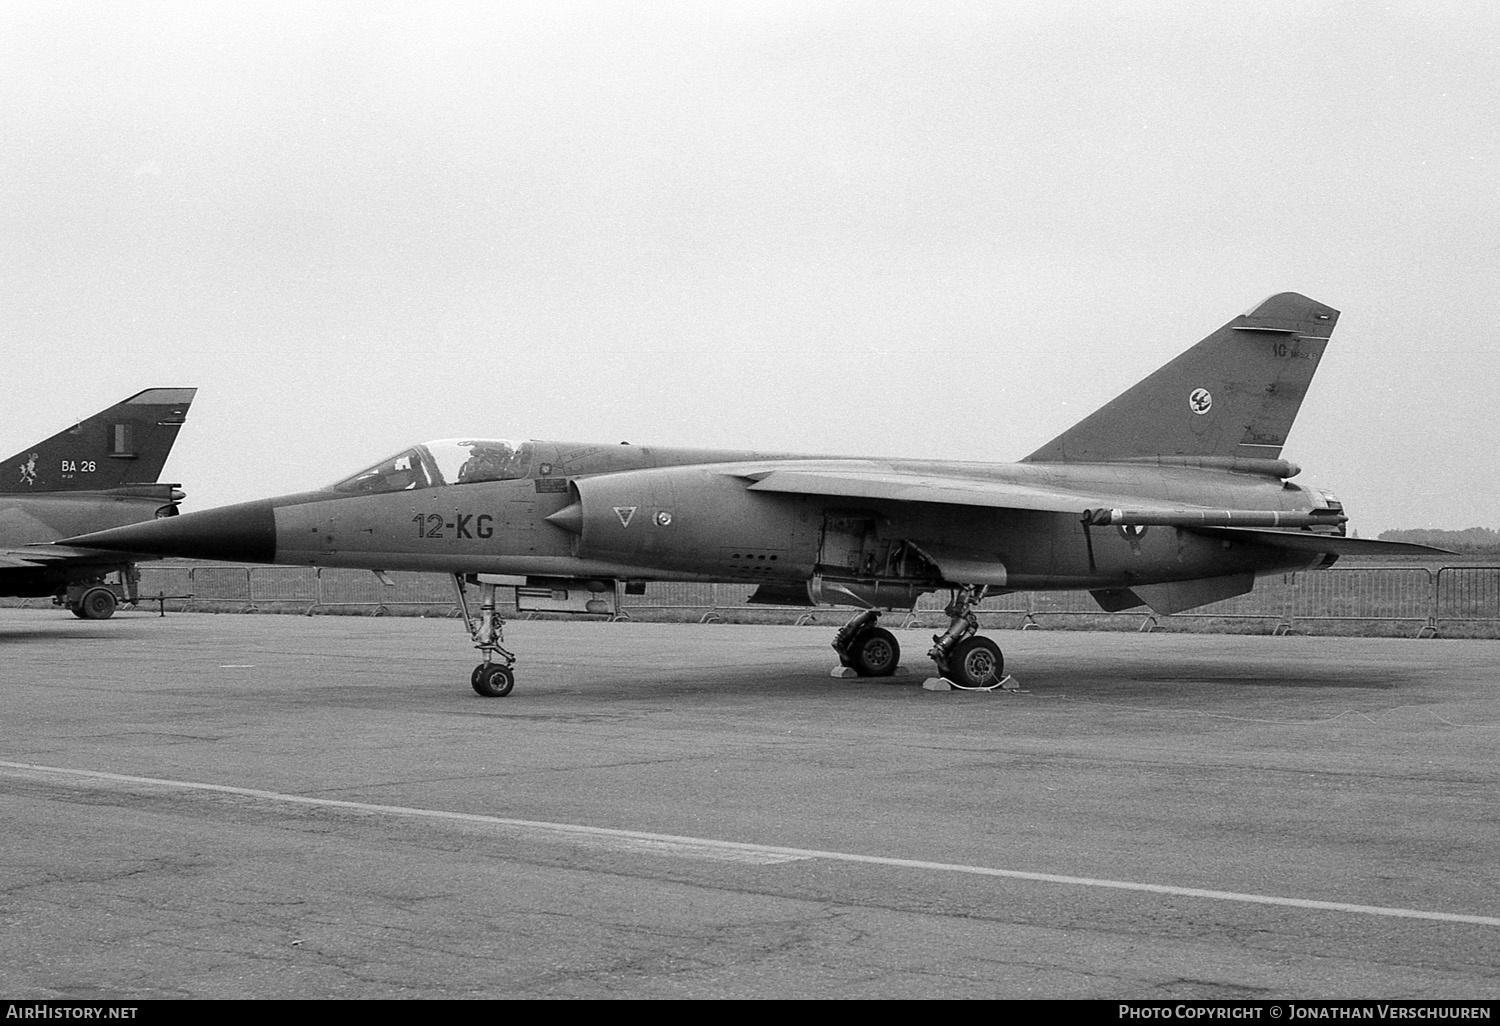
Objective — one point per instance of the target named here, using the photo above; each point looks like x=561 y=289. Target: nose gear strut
x=491 y=679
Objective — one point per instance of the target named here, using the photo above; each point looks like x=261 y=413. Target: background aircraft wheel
x=976 y=663
x=874 y=652
x=494 y=680
x=96 y=604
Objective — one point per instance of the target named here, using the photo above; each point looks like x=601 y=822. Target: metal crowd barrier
x=1467 y=594
x=255 y=588
x=1370 y=594
x=1424 y=597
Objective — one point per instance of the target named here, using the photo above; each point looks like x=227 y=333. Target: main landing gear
x=868 y=650
x=490 y=679
x=962 y=656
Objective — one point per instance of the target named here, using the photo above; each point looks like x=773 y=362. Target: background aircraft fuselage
x=96 y=475
x=30 y=520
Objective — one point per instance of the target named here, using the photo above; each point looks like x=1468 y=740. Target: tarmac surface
x=244 y=806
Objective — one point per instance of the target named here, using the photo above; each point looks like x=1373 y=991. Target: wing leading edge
x=899 y=486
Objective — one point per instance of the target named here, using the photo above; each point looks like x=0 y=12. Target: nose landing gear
x=490 y=679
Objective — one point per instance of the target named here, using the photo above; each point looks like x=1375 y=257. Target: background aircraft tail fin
x=123 y=445
x=1232 y=396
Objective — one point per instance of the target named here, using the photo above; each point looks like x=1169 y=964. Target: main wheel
x=874 y=652
x=976 y=663
x=493 y=681
x=96 y=604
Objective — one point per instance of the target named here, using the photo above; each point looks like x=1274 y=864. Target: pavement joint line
x=787 y=853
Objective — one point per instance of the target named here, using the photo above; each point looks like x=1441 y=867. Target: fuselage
x=643 y=513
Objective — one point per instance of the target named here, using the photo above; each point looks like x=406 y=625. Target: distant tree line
x=1473 y=539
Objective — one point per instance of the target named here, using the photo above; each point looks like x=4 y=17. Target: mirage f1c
x=98 y=474
x=1174 y=495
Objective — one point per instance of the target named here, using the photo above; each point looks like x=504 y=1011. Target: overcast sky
x=917 y=229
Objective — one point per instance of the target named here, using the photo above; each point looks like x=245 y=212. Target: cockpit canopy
x=447 y=461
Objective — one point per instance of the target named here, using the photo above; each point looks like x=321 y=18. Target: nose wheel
x=493 y=680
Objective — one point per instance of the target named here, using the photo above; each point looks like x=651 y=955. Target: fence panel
x=414 y=589
x=1360 y=593
x=1468 y=593
x=220 y=584
x=292 y=584
x=165 y=579
x=689 y=595
x=361 y=588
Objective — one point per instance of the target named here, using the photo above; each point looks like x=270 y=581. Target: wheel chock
x=1007 y=683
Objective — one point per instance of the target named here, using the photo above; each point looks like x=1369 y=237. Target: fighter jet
x=1174 y=495
x=99 y=474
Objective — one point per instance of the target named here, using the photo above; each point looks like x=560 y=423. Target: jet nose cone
x=243 y=533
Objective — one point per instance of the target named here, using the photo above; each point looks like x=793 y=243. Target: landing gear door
x=848 y=543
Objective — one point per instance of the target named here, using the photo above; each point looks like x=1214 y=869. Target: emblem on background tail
x=1201 y=400
x=28 y=470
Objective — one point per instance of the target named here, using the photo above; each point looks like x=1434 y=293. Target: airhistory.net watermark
x=42 y=1010
x=1292 y=1010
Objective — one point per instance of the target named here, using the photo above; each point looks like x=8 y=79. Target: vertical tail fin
x=1232 y=396
x=123 y=445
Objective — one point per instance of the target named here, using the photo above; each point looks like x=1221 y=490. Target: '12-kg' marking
x=432 y=525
